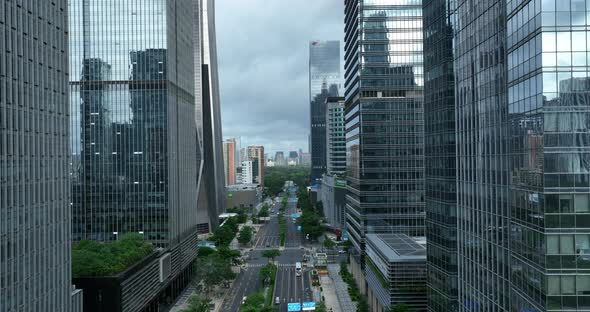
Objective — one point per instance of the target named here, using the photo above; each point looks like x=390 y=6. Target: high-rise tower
x=35 y=211
x=324 y=81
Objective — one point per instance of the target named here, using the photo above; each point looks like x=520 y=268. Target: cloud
x=262 y=48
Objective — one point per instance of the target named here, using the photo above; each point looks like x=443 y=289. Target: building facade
x=211 y=175
x=247 y=175
x=280 y=160
x=440 y=156
x=548 y=106
x=396 y=272
x=482 y=145
x=256 y=155
x=35 y=211
x=384 y=120
x=229 y=161
x=332 y=194
x=335 y=136
x=324 y=80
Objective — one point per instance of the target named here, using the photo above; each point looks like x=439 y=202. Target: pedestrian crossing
x=259 y=265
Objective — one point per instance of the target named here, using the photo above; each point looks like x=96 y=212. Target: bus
x=298 y=268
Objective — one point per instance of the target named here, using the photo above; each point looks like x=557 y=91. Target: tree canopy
x=271 y=253
x=275 y=177
x=197 y=304
x=245 y=235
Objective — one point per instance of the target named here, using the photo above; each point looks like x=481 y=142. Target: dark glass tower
x=384 y=119
x=483 y=231
x=439 y=136
x=133 y=126
x=324 y=81
x=549 y=168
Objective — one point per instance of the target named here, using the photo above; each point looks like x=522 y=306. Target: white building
x=247 y=172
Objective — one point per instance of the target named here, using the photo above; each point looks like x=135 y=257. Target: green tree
x=197 y=304
x=245 y=235
x=254 y=301
x=271 y=254
x=363 y=305
x=205 y=251
x=400 y=307
x=329 y=244
x=213 y=270
x=231 y=255
x=223 y=235
x=347 y=245
x=311 y=224
x=320 y=307
x=263 y=213
x=268 y=273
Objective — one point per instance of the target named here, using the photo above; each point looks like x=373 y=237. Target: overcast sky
x=262 y=48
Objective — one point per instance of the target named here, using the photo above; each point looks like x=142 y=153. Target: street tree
x=329 y=244
x=271 y=254
x=197 y=304
x=400 y=307
x=213 y=270
x=268 y=273
x=245 y=235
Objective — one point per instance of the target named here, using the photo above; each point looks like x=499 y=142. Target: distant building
x=243 y=196
x=335 y=136
x=247 y=172
x=270 y=163
x=324 y=80
x=256 y=155
x=229 y=160
x=280 y=159
x=306 y=159
x=396 y=271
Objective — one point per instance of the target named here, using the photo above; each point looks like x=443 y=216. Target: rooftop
x=397 y=246
x=241 y=187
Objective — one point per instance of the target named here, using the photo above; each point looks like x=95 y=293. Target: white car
x=244 y=300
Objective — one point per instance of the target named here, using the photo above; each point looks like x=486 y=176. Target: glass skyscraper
x=548 y=124
x=440 y=156
x=133 y=126
x=335 y=136
x=35 y=211
x=384 y=119
x=324 y=81
x=479 y=33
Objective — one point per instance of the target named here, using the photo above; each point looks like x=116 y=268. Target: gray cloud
x=262 y=48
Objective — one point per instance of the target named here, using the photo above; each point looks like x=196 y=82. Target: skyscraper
x=229 y=160
x=440 y=156
x=280 y=159
x=482 y=163
x=256 y=155
x=384 y=124
x=335 y=136
x=548 y=136
x=324 y=81
x=211 y=177
x=35 y=211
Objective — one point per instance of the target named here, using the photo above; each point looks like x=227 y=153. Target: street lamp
x=116 y=235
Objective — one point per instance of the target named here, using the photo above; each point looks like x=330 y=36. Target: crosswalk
x=259 y=265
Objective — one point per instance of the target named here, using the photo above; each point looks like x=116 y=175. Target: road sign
x=293 y=306
x=295 y=215
x=299 y=228
x=309 y=306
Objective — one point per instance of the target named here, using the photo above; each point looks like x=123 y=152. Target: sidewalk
x=331 y=299
x=182 y=302
x=341 y=289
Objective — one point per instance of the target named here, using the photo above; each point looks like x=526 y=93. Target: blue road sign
x=309 y=306
x=293 y=306
x=295 y=215
x=292 y=200
x=299 y=228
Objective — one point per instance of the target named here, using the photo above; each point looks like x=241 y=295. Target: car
x=341 y=251
x=277 y=300
x=244 y=300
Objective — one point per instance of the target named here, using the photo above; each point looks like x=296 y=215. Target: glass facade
x=133 y=130
x=482 y=145
x=549 y=131
x=335 y=136
x=440 y=156
x=324 y=81
x=384 y=118
x=35 y=211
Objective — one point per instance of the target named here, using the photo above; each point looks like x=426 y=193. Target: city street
x=288 y=286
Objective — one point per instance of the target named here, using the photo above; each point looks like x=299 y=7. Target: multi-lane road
x=288 y=286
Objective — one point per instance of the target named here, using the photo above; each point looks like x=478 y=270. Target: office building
x=247 y=175
x=135 y=137
x=243 y=196
x=396 y=272
x=332 y=194
x=280 y=160
x=440 y=157
x=335 y=136
x=35 y=211
x=211 y=184
x=324 y=81
x=256 y=155
x=229 y=161
x=384 y=90
x=548 y=136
